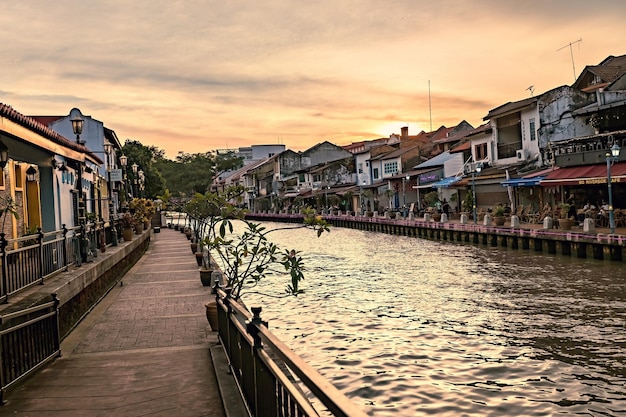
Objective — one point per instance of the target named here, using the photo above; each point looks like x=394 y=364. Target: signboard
x=116 y=175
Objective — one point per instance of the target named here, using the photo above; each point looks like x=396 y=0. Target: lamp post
x=361 y=197
x=108 y=149
x=610 y=160
x=77 y=127
x=134 y=167
x=123 y=163
x=142 y=182
x=477 y=169
x=405 y=180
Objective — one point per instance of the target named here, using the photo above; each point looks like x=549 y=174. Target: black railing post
x=82 y=251
x=65 y=263
x=40 y=251
x=5 y=273
x=252 y=326
x=57 y=337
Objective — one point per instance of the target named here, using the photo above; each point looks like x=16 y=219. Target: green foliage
x=498 y=210
x=8 y=207
x=468 y=201
x=145 y=157
x=431 y=198
x=248 y=256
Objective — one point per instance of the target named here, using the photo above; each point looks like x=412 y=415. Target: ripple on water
x=408 y=327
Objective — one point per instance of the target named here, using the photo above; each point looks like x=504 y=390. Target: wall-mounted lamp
x=4 y=155
x=31 y=174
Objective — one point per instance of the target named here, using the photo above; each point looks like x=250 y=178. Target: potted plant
x=248 y=256
x=127 y=221
x=498 y=215
x=565 y=222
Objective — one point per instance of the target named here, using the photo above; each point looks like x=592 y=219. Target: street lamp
x=77 y=128
x=134 y=167
x=610 y=160
x=405 y=180
x=477 y=169
x=123 y=163
x=362 y=209
x=108 y=149
x=142 y=181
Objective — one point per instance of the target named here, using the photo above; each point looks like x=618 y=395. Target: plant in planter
x=249 y=256
x=127 y=221
x=565 y=222
x=498 y=215
x=204 y=212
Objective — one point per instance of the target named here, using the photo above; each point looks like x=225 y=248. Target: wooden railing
x=264 y=368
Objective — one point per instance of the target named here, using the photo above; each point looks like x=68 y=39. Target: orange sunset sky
x=198 y=75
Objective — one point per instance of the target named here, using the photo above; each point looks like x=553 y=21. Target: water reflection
x=413 y=327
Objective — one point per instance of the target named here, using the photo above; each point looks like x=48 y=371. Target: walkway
x=145 y=350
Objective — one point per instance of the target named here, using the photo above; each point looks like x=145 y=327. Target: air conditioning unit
x=522 y=154
x=468 y=168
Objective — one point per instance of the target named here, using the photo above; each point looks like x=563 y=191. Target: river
x=411 y=327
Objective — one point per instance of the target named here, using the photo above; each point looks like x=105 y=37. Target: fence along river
x=411 y=327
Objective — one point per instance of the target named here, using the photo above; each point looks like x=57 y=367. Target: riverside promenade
x=145 y=349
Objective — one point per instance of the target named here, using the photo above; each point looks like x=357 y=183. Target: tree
x=145 y=157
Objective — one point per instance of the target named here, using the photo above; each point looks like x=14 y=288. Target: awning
x=585 y=175
x=446 y=182
x=522 y=182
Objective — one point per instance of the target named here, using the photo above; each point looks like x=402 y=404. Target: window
x=391 y=167
x=375 y=173
x=480 y=151
x=360 y=167
x=533 y=131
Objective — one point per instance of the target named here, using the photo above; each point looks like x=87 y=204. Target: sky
x=198 y=75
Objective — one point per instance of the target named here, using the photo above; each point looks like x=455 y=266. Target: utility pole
x=571 y=53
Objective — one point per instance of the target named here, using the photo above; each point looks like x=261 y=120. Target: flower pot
x=127 y=234
x=566 y=224
x=139 y=228
x=436 y=217
x=194 y=247
x=199 y=258
x=499 y=220
x=205 y=277
x=176 y=227
x=211 y=314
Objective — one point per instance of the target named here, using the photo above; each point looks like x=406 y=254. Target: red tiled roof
x=38 y=127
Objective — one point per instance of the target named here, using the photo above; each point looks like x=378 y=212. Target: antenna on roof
x=430 y=109
x=531 y=89
x=572 y=54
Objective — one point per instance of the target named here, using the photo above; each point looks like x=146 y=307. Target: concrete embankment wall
x=81 y=287
x=611 y=247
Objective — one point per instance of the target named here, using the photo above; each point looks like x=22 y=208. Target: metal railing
x=273 y=380
x=28 y=340
x=29 y=260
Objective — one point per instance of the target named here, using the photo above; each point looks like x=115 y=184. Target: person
x=446 y=207
x=587 y=211
x=571 y=213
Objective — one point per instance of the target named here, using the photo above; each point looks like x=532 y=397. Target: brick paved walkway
x=143 y=351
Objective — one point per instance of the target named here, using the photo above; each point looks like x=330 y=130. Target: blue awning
x=522 y=182
x=446 y=182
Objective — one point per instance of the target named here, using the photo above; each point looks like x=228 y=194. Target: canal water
x=410 y=327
